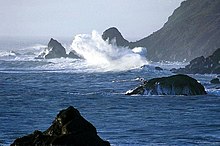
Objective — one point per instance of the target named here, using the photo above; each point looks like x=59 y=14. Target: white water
x=98 y=56
x=26 y=53
x=106 y=57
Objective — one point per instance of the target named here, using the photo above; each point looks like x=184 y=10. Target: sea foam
x=107 y=57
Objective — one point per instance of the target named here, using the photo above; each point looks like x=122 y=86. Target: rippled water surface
x=31 y=100
x=33 y=91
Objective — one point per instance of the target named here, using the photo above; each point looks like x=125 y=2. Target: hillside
x=192 y=30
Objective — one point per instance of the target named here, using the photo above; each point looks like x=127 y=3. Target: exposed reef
x=202 y=65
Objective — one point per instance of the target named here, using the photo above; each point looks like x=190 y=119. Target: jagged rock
x=54 y=50
x=215 y=81
x=68 y=129
x=114 y=37
x=202 y=65
x=173 y=85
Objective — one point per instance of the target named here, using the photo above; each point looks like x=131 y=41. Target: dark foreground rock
x=68 y=129
x=173 y=85
x=202 y=65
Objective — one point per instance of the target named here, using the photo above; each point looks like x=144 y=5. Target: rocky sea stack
x=54 y=50
x=68 y=129
x=114 y=36
x=173 y=85
x=202 y=65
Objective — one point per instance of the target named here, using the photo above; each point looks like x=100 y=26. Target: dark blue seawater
x=32 y=92
x=30 y=100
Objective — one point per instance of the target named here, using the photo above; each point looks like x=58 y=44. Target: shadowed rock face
x=173 y=85
x=202 y=65
x=54 y=50
x=114 y=36
x=68 y=129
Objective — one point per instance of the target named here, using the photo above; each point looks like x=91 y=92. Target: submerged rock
x=68 y=129
x=202 y=65
x=158 y=68
x=215 y=81
x=53 y=50
x=173 y=85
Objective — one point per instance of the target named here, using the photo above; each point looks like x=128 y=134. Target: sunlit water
x=32 y=92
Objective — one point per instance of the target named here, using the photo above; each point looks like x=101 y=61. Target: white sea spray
x=107 y=57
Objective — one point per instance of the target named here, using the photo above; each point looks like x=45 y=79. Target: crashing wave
x=88 y=53
x=100 y=54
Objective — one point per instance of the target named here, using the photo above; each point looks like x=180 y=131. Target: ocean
x=33 y=91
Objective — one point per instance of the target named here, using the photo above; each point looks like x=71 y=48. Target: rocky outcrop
x=113 y=36
x=202 y=65
x=54 y=50
x=173 y=85
x=68 y=129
